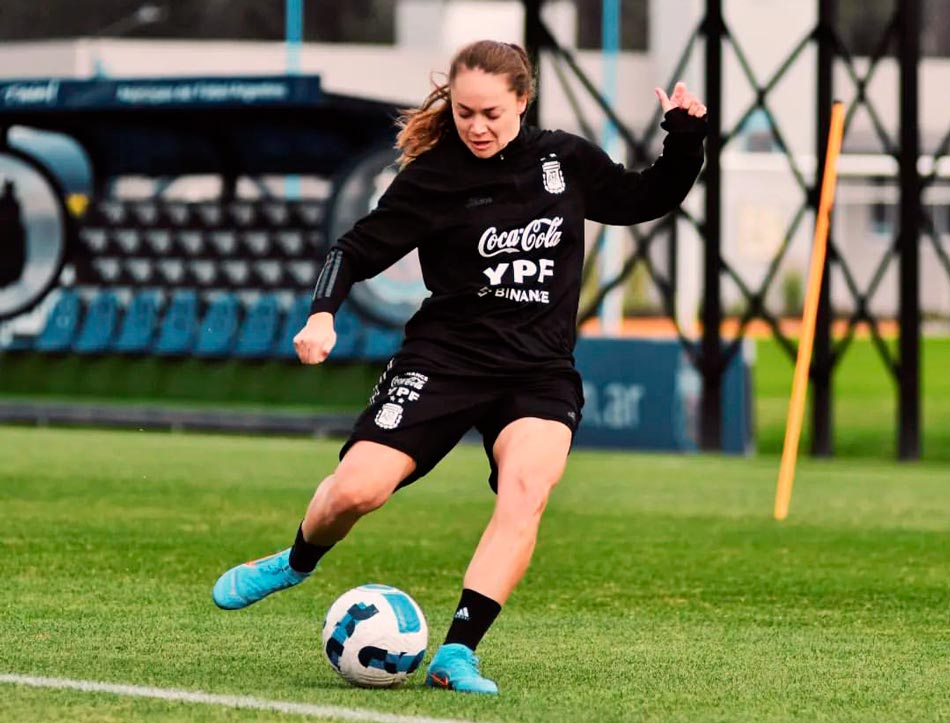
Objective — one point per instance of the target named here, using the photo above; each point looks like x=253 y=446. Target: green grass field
x=865 y=401
x=661 y=589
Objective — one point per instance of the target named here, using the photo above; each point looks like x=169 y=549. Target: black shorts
x=424 y=414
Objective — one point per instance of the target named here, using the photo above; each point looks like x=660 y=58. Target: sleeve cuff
x=330 y=306
x=333 y=285
x=678 y=120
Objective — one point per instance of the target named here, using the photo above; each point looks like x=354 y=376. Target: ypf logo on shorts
x=389 y=416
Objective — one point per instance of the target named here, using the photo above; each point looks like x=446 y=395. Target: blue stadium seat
x=180 y=325
x=349 y=334
x=380 y=343
x=98 y=328
x=219 y=327
x=138 y=326
x=293 y=322
x=257 y=334
x=61 y=324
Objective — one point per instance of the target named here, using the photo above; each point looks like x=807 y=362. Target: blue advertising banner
x=645 y=394
x=62 y=94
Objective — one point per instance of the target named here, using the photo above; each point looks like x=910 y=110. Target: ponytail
x=421 y=128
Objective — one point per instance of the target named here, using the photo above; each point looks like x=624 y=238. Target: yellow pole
x=796 y=407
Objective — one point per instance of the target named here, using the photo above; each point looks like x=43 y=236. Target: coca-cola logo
x=540 y=233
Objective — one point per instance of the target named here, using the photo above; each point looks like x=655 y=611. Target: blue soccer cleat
x=252 y=581
x=455 y=667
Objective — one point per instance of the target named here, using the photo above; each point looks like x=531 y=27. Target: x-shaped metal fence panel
x=715 y=28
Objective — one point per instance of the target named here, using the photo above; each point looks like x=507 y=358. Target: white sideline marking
x=229 y=701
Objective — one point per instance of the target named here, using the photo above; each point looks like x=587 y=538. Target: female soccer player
x=496 y=210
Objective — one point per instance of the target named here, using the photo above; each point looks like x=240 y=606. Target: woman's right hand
x=314 y=342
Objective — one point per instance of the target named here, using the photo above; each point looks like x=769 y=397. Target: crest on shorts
x=389 y=416
x=552 y=175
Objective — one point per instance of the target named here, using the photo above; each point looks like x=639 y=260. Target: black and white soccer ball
x=375 y=636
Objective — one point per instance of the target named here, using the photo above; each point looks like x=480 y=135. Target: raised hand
x=681 y=98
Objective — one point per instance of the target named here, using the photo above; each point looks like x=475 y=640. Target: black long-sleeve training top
x=501 y=241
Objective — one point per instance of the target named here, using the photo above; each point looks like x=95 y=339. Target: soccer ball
x=375 y=636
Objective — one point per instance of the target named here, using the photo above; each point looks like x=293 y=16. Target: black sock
x=473 y=617
x=304 y=556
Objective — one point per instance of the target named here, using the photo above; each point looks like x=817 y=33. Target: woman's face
x=487 y=112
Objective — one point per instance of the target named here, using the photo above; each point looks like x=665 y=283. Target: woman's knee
x=531 y=455
x=366 y=477
x=345 y=495
x=525 y=492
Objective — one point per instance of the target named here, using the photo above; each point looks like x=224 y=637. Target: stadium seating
x=62 y=323
x=349 y=334
x=259 y=330
x=219 y=327
x=99 y=325
x=379 y=343
x=190 y=244
x=293 y=322
x=179 y=326
x=152 y=268
x=138 y=326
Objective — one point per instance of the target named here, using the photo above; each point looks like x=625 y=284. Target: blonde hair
x=421 y=128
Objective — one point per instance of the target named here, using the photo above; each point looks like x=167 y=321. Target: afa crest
x=389 y=416
x=552 y=175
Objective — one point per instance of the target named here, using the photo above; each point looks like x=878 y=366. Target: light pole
x=293 y=24
x=611 y=257
x=294 y=34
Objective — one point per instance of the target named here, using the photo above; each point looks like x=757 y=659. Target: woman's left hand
x=681 y=98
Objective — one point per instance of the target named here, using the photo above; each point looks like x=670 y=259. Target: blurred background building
x=388 y=49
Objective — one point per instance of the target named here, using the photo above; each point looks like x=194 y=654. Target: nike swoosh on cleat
x=441 y=681
x=253 y=563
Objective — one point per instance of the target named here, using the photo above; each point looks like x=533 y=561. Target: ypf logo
x=32 y=235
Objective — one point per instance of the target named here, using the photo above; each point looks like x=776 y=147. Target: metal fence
x=900 y=36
